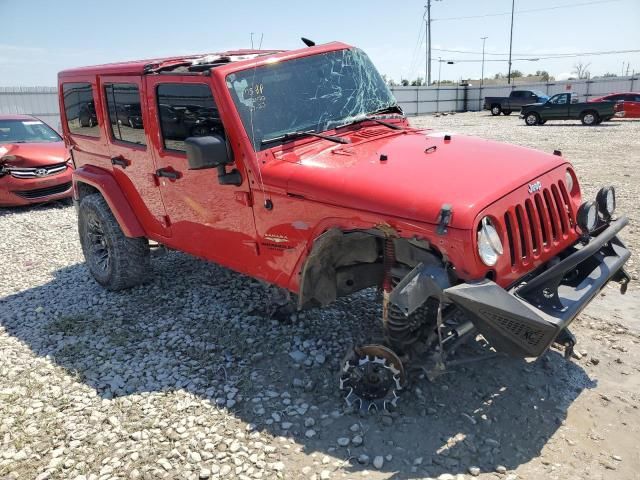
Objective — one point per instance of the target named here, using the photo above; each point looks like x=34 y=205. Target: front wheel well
x=343 y=262
x=85 y=189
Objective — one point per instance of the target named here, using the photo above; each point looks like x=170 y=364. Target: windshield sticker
x=31 y=122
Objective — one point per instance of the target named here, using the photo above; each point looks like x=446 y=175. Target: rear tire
x=506 y=112
x=531 y=119
x=114 y=260
x=589 y=118
x=496 y=110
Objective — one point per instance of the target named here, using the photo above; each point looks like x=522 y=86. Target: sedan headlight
x=606 y=200
x=489 y=244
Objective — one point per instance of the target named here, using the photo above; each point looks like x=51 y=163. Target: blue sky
x=39 y=38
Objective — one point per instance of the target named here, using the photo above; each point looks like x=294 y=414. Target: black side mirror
x=211 y=152
x=206 y=152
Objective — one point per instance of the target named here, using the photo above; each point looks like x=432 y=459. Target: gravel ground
x=186 y=377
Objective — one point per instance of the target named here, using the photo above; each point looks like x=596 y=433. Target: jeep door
x=131 y=157
x=207 y=219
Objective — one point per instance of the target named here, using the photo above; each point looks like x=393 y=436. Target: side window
x=125 y=112
x=560 y=99
x=186 y=110
x=516 y=94
x=80 y=109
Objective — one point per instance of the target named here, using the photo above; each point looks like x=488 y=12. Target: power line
x=543 y=55
x=524 y=11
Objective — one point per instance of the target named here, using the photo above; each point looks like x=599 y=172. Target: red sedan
x=35 y=165
x=629 y=103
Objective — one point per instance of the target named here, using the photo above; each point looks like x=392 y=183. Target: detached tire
x=506 y=112
x=114 y=260
x=496 y=110
x=589 y=118
x=531 y=119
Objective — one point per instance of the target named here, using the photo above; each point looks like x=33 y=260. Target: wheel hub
x=372 y=375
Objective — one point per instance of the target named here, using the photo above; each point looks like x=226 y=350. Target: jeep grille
x=538 y=224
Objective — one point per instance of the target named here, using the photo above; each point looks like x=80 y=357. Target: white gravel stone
x=378 y=461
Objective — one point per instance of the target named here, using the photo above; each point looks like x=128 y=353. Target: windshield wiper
x=370 y=119
x=302 y=133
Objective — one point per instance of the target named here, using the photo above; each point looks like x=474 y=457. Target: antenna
x=307 y=42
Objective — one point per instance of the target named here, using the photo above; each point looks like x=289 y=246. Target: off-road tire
x=114 y=260
x=589 y=118
x=531 y=119
x=496 y=110
x=506 y=112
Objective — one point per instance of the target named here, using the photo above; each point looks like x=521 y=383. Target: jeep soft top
x=299 y=168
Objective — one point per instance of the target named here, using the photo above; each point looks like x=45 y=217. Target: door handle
x=163 y=172
x=119 y=160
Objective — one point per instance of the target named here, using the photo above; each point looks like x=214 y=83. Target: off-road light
x=587 y=216
x=568 y=179
x=606 y=200
x=489 y=244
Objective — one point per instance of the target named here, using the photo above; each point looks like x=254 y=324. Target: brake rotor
x=372 y=375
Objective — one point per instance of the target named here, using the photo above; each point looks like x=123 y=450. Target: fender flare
x=104 y=182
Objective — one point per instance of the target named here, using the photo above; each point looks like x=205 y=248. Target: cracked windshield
x=310 y=94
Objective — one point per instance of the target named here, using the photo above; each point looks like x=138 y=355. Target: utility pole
x=484 y=39
x=427 y=44
x=513 y=2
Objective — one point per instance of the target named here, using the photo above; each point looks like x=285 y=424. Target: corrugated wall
x=451 y=98
x=43 y=101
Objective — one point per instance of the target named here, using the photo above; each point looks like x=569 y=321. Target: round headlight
x=568 y=179
x=606 y=200
x=587 y=216
x=489 y=244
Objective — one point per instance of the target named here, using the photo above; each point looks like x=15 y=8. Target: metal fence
x=452 y=98
x=43 y=101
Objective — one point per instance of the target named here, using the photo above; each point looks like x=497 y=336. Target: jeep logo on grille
x=41 y=172
x=535 y=187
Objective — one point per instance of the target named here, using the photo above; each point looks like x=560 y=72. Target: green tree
x=417 y=82
x=404 y=82
x=544 y=75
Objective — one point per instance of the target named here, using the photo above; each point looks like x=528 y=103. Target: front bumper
x=16 y=192
x=526 y=319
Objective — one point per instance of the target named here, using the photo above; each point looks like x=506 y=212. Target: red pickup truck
x=304 y=172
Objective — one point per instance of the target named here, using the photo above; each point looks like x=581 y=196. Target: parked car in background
x=87 y=115
x=628 y=104
x=565 y=106
x=514 y=101
x=34 y=162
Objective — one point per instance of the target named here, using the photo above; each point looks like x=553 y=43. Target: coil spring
x=399 y=328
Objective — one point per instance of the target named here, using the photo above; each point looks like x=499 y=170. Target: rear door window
x=80 y=109
x=125 y=113
x=186 y=110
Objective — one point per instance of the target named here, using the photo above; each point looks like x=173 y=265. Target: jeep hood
x=34 y=154
x=422 y=172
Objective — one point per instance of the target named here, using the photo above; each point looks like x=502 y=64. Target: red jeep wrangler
x=299 y=168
